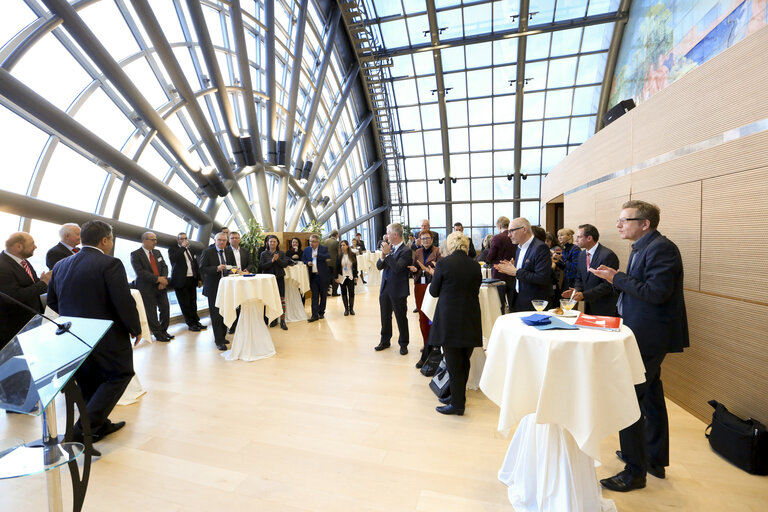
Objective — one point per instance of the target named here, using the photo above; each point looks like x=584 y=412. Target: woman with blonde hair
x=567 y=263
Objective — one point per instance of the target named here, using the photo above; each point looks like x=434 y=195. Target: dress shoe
x=419 y=364
x=168 y=335
x=445 y=400
x=162 y=337
x=273 y=323
x=449 y=409
x=221 y=346
x=657 y=471
x=352 y=312
x=416 y=310
x=107 y=429
x=282 y=324
x=231 y=330
x=346 y=312
x=313 y=319
x=194 y=328
x=624 y=482
x=321 y=316
x=201 y=326
x=403 y=350
x=381 y=346
x=335 y=294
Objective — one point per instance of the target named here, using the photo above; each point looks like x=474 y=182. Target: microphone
x=62 y=327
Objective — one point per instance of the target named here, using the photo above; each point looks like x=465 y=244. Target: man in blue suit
x=651 y=303
x=532 y=267
x=598 y=295
x=92 y=284
x=395 y=259
x=316 y=258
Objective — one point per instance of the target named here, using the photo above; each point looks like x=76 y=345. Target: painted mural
x=664 y=39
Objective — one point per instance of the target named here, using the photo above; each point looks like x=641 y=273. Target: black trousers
x=102 y=379
x=155 y=300
x=457 y=362
x=319 y=288
x=397 y=305
x=348 y=293
x=217 y=322
x=186 y=296
x=646 y=442
x=506 y=295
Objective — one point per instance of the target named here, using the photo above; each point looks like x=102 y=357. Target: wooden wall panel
x=681 y=222
x=733 y=214
x=727 y=359
x=605 y=221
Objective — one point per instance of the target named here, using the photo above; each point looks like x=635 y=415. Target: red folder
x=604 y=323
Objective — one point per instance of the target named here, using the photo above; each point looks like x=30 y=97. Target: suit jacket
x=146 y=280
x=15 y=281
x=394 y=272
x=323 y=271
x=501 y=248
x=277 y=268
x=179 y=265
x=245 y=258
x=534 y=275
x=333 y=249
x=57 y=253
x=653 y=305
x=208 y=262
x=457 y=321
x=94 y=285
x=599 y=296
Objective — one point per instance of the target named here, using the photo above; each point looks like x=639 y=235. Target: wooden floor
x=330 y=425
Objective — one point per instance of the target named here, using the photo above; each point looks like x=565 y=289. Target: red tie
x=153 y=264
x=75 y=250
x=588 y=259
x=28 y=269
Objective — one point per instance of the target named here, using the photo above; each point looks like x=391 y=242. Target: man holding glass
x=532 y=266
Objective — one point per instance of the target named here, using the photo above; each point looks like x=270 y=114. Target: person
x=570 y=256
x=360 y=244
x=425 y=226
x=457 y=326
x=93 y=284
x=316 y=258
x=185 y=279
x=295 y=250
x=213 y=266
x=458 y=226
x=531 y=268
x=347 y=264
x=598 y=295
x=411 y=242
x=652 y=304
x=557 y=275
x=332 y=243
x=384 y=239
x=422 y=270
x=273 y=261
x=394 y=290
x=19 y=280
x=550 y=240
x=484 y=248
x=241 y=254
x=152 y=281
x=69 y=236
x=226 y=232
x=502 y=249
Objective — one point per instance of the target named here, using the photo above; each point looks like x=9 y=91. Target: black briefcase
x=744 y=443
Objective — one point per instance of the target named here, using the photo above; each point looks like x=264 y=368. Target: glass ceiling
x=477 y=45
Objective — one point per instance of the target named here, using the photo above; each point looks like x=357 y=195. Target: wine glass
x=539 y=304
x=567 y=304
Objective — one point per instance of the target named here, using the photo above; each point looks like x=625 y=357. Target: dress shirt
x=523 y=248
x=188 y=257
x=314 y=260
x=236 y=252
x=14 y=258
x=394 y=250
x=71 y=249
x=591 y=253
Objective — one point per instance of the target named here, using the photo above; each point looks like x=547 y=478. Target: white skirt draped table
x=253 y=294
x=296 y=285
x=568 y=389
x=367 y=263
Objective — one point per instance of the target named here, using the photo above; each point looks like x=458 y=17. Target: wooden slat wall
x=713 y=194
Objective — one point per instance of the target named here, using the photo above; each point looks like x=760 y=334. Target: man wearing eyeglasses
x=651 y=303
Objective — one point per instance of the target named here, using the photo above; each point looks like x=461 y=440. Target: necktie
x=588 y=259
x=75 y=250
x=28 y=269
x=153 y=264
x=221 y=257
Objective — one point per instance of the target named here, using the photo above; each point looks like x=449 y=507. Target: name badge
x=423 y=279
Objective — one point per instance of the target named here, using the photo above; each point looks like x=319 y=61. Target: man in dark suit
x=316 y=258
x=395 y=259
x=651 y=303
x=92 y=284
x=532 y=267
x=152 y=281
x=241 y=254
x=502 y=249
x=19 y=280
x=213 y=266
x=332 y=244
x=185 y=279
x=599 y=295
x=70 y=238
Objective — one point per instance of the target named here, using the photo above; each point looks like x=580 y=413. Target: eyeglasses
x=515 y=229
x=623 y=220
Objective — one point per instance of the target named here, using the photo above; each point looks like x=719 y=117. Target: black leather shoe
x=321 y=316
x=194 y=328
x=282 y=324
x=657 y=471
x=445 y=400
x=107 y=429
x=221 y=346
x=346 y=312
x=623 y=482
x=231 y=330
x=403 y=350
x=420 y=363
x=201 y=326
x=352 y=312
x=273 y=323
x=416 y=310
x=449 y=409
x=171 y=336
x=381 y=346
x=161 y=337
x=313 y=319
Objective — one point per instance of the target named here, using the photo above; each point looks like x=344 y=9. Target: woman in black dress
x=274 y=261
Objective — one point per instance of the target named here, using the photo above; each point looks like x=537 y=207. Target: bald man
x=69 y=234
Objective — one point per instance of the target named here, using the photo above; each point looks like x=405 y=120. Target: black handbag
x=440 y=382
x=744 y=443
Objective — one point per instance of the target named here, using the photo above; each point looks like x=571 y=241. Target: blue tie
x=221 y=257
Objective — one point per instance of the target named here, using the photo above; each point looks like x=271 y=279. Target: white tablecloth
x=296 y=285
x=578 y=388
x=252 y=339
x=367 y=263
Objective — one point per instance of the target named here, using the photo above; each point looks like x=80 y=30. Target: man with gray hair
x=152 y=281
x=395 y=259
x=69 y=234
x=316 y=258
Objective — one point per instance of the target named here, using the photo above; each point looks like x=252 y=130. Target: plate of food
x=564 y=313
